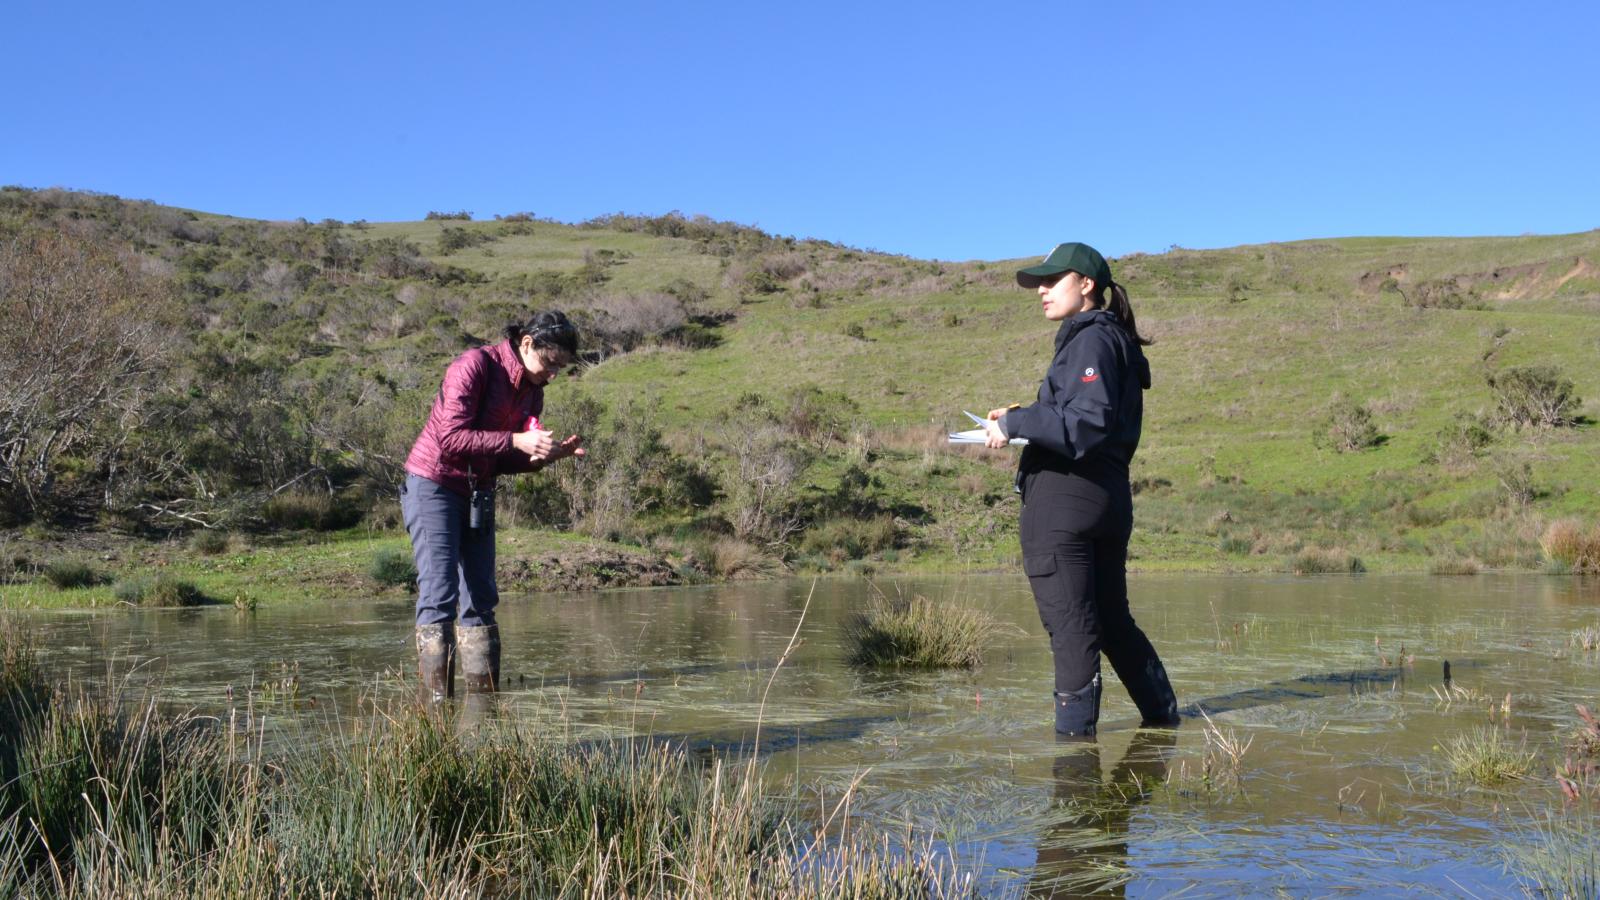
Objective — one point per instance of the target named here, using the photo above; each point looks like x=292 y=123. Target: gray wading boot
x=436 y=662
x=480 y=657
x=1078 y=711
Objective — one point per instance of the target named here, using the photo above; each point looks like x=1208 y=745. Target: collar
x=506 y=356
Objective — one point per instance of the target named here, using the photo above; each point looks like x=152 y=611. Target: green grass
x=919 y=633
x=1487 y=757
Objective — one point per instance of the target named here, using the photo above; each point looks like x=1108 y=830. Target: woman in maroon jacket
x=484 y=424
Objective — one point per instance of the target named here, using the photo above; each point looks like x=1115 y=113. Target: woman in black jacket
x=1077 y=506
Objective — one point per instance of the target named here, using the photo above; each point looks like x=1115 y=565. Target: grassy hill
x=706 y=330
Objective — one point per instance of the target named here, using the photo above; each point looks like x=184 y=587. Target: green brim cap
x=1073 y=257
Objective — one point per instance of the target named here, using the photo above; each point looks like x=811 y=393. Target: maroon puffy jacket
x=486 y=397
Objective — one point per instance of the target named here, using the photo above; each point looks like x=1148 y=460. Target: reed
x=1324 y=561
x=1557 y=857
x=918 y=633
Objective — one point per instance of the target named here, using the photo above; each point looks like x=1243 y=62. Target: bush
x=435 y=216
x=161 y=591
x=918 y=633
x=1348 y=427
x=1572 y=547
x=1233 y=545
x=71 y=573
x=453 y=239
x=1325 y=561
x=393 y=568
x=1534 y=397
x=732 y=558
x=1460 y=441
x=209 y=542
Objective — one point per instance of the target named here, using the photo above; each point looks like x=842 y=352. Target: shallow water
x=1337 y=683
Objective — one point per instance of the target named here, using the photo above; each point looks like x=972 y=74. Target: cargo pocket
x=1047 y=591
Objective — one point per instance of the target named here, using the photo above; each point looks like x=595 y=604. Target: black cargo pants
x=1075 y=532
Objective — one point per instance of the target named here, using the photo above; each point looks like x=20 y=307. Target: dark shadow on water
x=1320 y=685
x=1085 y=852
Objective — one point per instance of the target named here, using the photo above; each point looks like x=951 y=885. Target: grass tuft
x=393 y=568
x=1572 y=546
x=1485 y=756
x=71 y=573
x=1455 y=566
x=1325 y=561
x=163 y=590
x=207 y=542
x=918 y=633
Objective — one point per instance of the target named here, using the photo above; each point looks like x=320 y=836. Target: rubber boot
x=1078 y=711
x=480 y=657
x=1152 y=693
x=436 y=662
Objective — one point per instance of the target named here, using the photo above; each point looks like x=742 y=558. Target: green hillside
x=847 y=366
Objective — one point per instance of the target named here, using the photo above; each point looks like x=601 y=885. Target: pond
x=1330 y=693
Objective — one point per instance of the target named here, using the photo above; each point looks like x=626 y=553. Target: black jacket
x=1091 y=405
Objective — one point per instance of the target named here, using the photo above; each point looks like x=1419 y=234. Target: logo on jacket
x=1089 y=375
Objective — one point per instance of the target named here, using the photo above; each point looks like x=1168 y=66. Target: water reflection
x=1085 y=852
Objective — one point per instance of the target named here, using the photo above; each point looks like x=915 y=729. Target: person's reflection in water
x=1083 y=853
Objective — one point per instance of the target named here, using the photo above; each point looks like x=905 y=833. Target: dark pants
x=455 y=563
x=1075 y=534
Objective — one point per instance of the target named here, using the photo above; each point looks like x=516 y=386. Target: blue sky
x=955 y=131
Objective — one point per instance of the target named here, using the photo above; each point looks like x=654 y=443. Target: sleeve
x=1083 y=414
x=465 y=384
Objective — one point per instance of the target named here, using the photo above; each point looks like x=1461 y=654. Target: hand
x=535 y=442
x=997 y=413
x=997 y=438
x=572 y=446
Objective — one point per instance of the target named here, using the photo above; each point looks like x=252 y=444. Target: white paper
x=979 y=435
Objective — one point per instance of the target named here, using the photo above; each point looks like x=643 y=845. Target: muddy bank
x=578 y=568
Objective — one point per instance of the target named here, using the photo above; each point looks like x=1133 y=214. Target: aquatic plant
x=1586 y=638
x=1224 y=753
x=1557 y=857
x=71 y=573
x=1572 y=545
x=1325 y=561
x=393 y=568
x=1486 y=756
x=918 y=633
x=108 y=799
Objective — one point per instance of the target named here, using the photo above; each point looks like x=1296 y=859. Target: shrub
x=71 y=573
x=1234 y=545
x=733 y=558
x=161 y=591
x=435 y=216
x=1325 y=561
x=1459 y=441
x=1348 y=427
x=1572 y=547
x=1534 y=397
x=393 y=568
x=453 y=239
x=917 y=633
x=209 y=542
x=854 y=330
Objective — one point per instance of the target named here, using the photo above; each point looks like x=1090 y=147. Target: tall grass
x=1573 y=546
x=918 y=633
x=104 y=798
x=1557 y=858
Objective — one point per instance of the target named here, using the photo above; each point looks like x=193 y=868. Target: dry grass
x=734 y=559
x=1573 y=545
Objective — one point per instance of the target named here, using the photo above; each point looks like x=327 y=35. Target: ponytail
x=1119 y=306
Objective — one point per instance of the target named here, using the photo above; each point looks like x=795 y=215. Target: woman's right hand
x=535 y=442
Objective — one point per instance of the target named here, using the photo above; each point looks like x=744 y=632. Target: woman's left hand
x=997 y=438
